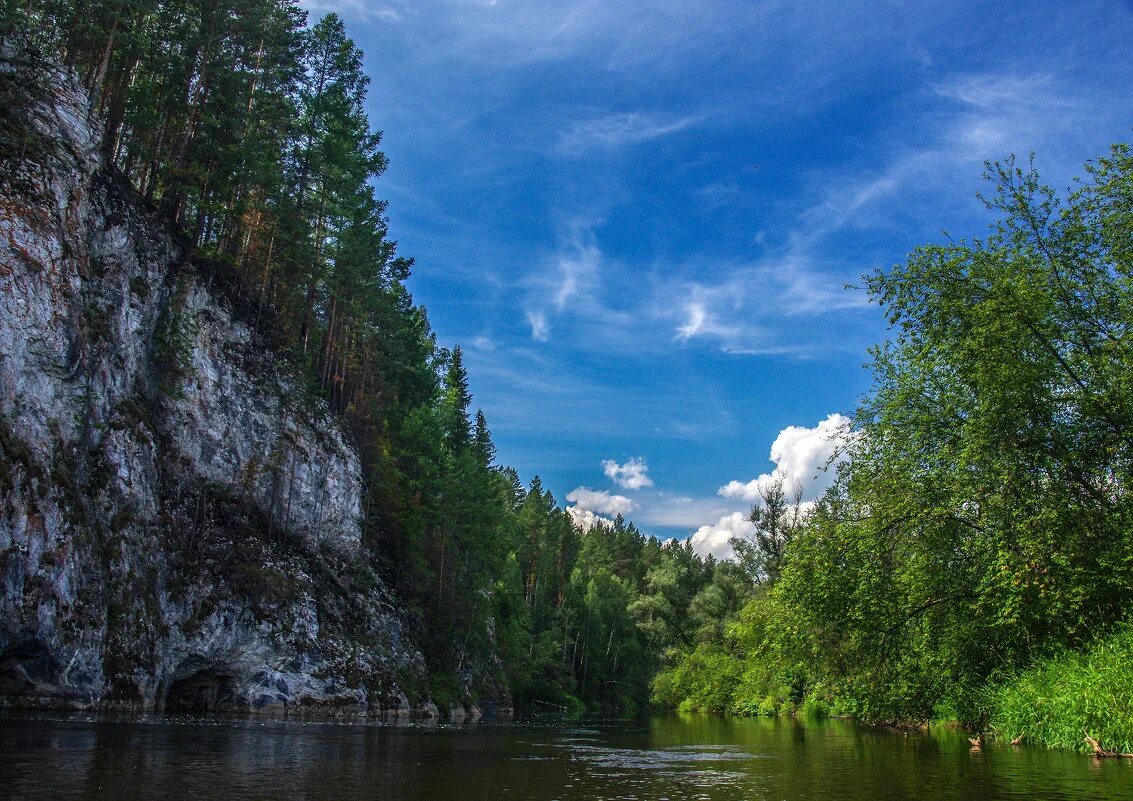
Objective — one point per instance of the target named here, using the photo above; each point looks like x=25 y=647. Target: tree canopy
x=982 y=520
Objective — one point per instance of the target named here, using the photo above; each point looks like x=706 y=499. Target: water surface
x=662 y=758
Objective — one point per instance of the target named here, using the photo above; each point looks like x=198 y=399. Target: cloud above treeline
x=632 y=475
x=585 y=519
x=597 y=507
x=804 y=457
x=716 y=540
x=601 y=501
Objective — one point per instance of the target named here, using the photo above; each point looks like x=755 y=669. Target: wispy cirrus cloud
x=540 y=328
x=703 y=318
x=620 y=130
x=752 y=307
x=572 y=286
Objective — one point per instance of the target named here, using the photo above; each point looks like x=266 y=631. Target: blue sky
x=638 y=219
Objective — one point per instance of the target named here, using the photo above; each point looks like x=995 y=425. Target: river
x=673 y=758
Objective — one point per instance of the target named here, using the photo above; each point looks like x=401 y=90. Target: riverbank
x=1064 y=698
x=1057 y=702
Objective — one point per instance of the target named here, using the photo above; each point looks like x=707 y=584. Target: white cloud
x=975 y=117
x=696 y=317
x=577 y=272
x=800 y=455
x=701 y=321
x=748 y=310
x=632 y=475
x=601 y=501
x=715 y=540
x=570 y=288
x=484 y=342
x=619 y=130
x=367 y=10
x=540 y=328
x=585 y=519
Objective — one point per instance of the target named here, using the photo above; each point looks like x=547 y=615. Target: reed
x=1062 y=699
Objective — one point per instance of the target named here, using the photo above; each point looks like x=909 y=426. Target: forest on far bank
x=973 y=558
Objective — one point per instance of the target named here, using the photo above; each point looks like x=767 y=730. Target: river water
x=653 y=759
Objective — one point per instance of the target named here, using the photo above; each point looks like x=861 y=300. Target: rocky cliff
x=179 y=523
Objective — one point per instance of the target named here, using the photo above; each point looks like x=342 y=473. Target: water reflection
x=676 y=758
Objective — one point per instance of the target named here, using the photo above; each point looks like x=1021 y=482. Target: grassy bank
x=1061 y=699
x=1054 y=703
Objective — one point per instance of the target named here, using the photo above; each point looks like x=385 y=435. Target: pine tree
x=482 y=438
x=454 y=405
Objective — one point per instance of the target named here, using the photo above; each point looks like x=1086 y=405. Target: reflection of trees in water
x=678 y=757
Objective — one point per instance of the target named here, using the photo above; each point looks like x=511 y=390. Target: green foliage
x=1062 y=698
x=669 y=589
x=703 y=679
x=776 y=519
x=983 y=520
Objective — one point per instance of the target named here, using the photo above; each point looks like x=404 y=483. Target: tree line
x=981 y=526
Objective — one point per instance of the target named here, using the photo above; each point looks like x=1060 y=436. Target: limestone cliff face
x=179 y=525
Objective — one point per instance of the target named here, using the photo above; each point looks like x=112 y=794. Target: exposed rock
x=179 y=525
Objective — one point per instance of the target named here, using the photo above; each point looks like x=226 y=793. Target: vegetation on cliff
x=247 y=130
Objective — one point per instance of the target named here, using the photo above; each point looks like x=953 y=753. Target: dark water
x=673 y=758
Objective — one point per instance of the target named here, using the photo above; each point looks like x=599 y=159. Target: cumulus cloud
x=800 y=455
x=632 y=475
x=715 y=540
x=600 y=501
x=584 y=519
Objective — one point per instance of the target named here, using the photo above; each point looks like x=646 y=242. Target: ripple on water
x=646 y=759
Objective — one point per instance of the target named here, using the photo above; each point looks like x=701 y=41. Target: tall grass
x=1061 y=699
